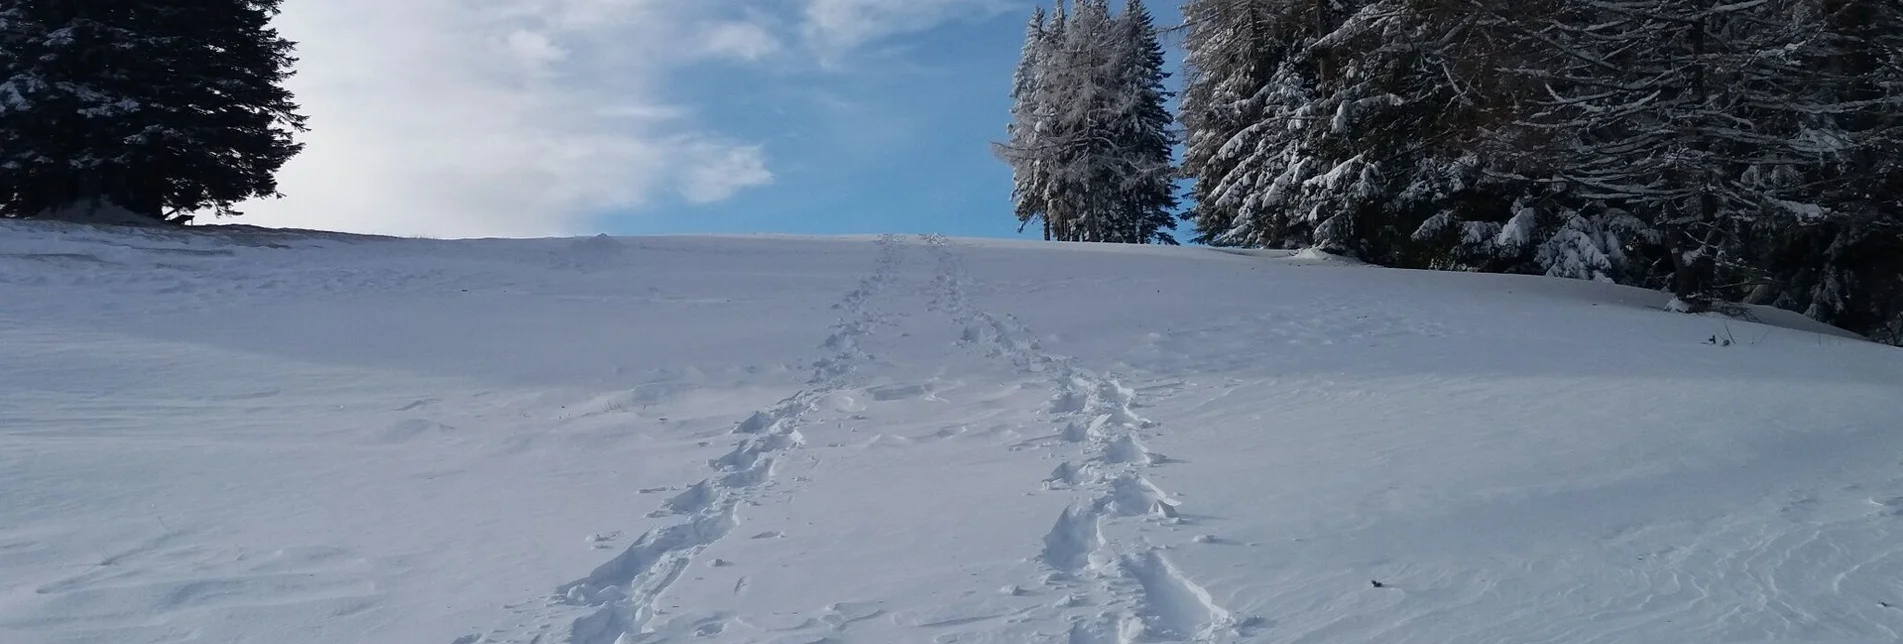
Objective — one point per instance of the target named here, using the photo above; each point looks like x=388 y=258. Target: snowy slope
x=255 y=436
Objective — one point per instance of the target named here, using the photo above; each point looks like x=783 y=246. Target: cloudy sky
x=461 y=118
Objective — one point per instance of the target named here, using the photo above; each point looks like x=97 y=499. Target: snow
x=249 y=435
x=1518 y=231
x=97 y=210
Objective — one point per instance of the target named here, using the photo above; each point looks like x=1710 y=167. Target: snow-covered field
x=253 y=436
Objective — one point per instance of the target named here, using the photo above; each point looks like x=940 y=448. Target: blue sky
x=448 y=118
x=893 y=140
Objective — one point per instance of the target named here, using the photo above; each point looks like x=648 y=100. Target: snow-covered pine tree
x=1228 y=56
x=1051 y=94
x=1337 y=124
x=1037 y=146
x=1682 y=110
x=160 y=107
x=1244 y=60
x=1091 y=139
x=238 y=64
x=64 y=84
x=1387 y=143
x=1144 y=130
x=1021 y=149
x=1875 y=28
x=1474 y=208
x=1718 y=148
x=1844 y=264
x=1078 y=95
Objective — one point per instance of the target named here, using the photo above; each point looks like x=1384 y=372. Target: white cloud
x=533 y=117
x=740 y=40
x=534 y=48
x=722 y=171
x=837 y=26
x=511 y=117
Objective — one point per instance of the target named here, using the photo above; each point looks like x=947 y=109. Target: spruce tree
x=1844 y=263
x=1688 y=109
x=1339 y=125
x=1079 y=98
x=162 y=107
x=1091 y=139
x=1145 y=131
x=1237 y=55
x=1229 y=53
x=1020 y=151
x=1722 y=151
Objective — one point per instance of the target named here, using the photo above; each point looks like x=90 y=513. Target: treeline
x=1724 y=150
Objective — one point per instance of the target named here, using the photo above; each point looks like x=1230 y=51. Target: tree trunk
x=1324 y=59
x=1693 y=267
x=1694 y=270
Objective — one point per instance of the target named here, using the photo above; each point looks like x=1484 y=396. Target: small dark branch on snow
x=1722 y=339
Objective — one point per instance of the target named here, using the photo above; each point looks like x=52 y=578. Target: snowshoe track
x=1115 y=592
x=615 y=603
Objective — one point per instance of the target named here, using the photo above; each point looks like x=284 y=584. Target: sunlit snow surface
x=258 y=436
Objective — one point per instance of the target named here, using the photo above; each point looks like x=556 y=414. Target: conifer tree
x=1686 y=109
x=1091 y=138
x=1144 y=130
x=1078 y=98
x=1723 y=151
x=1844 y=263
x=1331 y=124
x=1239 y=56
x=1026 y=120
x=1229 y=53
x=162 y=107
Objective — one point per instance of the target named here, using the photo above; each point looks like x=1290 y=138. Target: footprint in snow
x=843 y=614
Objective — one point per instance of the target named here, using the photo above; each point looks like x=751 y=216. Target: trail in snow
x=617 y=600
x=842 y=441
x=1106 y=588
x=1114 y=590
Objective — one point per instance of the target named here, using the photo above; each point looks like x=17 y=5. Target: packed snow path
x=1143 y=595
x=1138 y=594
x=618 y=598
x=292 y=437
